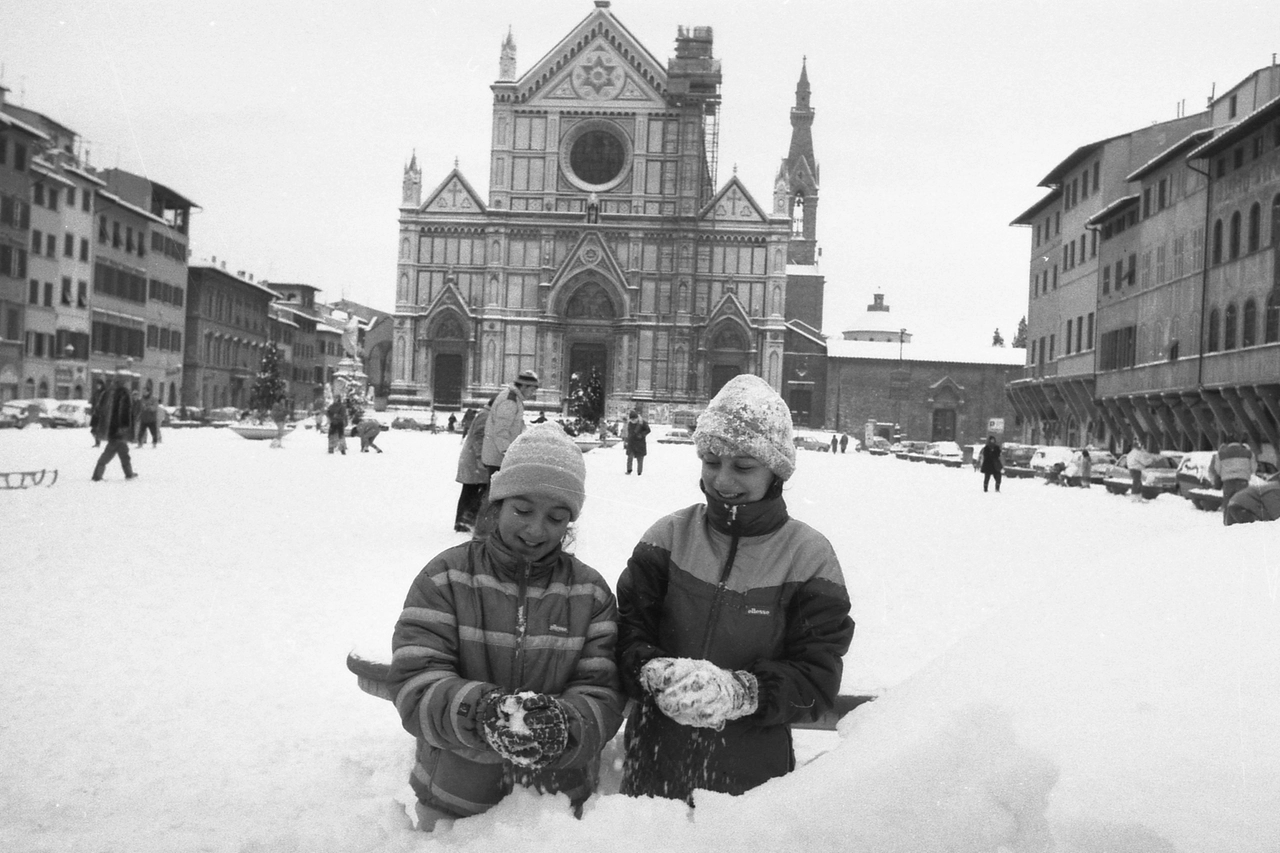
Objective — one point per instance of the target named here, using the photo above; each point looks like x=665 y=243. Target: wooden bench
x=371 y=676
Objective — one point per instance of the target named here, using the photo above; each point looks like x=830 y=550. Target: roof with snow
x=1238 y=131
x=1195 y=137
x=1112 y=209
x=1032 y=213
x=917 y=352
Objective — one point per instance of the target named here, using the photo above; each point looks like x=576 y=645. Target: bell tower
x=412 y=186
x=796 y=187
x=507 y=59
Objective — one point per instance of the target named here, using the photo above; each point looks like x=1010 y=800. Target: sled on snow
x=371 y=676
x=26 y=479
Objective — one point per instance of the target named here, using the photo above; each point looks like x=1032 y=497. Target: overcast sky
x=290 y=122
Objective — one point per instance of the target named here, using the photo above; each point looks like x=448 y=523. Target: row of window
x=169 y=247
x=50 y=245
x=81 y=295
x=1079 y=338
x=120 y=283
x=122 y=240
x=1069 y=258
x=164 y=338
x=1078 y=190
x=1256 y=144
x=231 y=310
x=1253 y=235
x=1244 y=322
x=113 y=339
x=162 y=291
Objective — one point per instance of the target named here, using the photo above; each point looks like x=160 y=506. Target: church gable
x=454 y=195
x=729 y=312
x=591 y=254
x=599 y=61
x=448 y=308
x=733 y=203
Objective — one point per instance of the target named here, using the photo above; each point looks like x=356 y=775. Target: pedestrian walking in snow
x=1086 y=469
x=844 y=442
x=503 y=657
x=990 y=463
x=636 y=441
x=279 y=415
x=452 y=423
x=1138 y=460
x=733 y=616
x=506 y=418
x=148 y=417
x=835 y=442
x=114 y=424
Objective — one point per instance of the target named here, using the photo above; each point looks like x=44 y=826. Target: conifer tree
x=1020 y=339
x=586 y=397
x=354 y=402
x=997 y=340
x=269 y=387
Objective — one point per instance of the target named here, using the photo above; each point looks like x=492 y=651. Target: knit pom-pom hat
x=748 y=418
x=542 y=460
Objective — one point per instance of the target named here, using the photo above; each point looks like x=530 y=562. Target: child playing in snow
x=733 y=617
x=503 y=657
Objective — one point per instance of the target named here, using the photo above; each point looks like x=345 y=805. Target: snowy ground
x=1064 y=669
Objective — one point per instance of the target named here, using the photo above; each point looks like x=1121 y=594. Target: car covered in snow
x=676 y=435
x=34 y=410
x=810 y=442
x=1016 y=459
x=72 y=413
x=878 y=445
x=1158 y=478
x=1046 y=456
x=1099 y=461
x=944 y=453
x=1202 y=488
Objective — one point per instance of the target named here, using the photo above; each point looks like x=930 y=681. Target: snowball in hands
x=699 y=693
x=528 y=729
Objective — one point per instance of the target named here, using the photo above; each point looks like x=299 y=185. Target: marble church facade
x=605 y=242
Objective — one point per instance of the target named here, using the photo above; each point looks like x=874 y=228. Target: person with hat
x=113 y=423
x=503 y=661
x=733 y=617
x=506 y=418
x=637 y=444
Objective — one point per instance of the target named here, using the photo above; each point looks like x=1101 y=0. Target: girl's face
x=533 y=525
x=735 y=479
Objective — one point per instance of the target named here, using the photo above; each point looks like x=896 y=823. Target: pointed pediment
x=729 y=309
x=944 y=387
x=453 y=195
x=448 y=300
x=599 y=61
x=589 y=255
x=733 y=204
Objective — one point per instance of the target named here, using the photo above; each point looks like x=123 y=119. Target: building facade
x=19 y=142
x=1171 y=339
x=605 y=243
x=227 y=332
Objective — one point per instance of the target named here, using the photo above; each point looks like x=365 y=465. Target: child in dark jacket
x=733 y=616
x=503 y=658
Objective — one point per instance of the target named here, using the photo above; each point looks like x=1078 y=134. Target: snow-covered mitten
x=502 y=719
x=703 y=695
x=548 y=722
x=658 y=673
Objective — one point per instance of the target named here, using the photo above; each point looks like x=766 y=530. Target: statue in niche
x=589 y=302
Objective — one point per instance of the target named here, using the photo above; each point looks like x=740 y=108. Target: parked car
x=1197 y=485
x=36 y=409
x=676 y=435
x=72 y=413
x=808 y=442
x=1159 y=477
x=911 y=450
x=1047 y=456
x=944 y=453
x=1017 y=459
x=878 y=445
x=1099 y=461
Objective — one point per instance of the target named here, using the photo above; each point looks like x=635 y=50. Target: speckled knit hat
x=748 y=418
x=543 y=460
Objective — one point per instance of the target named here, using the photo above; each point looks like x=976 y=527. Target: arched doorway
x=448 y=338
x=590 y=312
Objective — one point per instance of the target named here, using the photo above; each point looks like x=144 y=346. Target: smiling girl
x=503 y=657
x=733 y=616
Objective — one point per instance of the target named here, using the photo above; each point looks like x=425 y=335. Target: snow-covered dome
x=877 y=325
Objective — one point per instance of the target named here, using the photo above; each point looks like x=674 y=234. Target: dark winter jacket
x=479 y=618
x=337 y=413
x=113 y=415
x=636 y=443
x=989 y=459
x=753 y=590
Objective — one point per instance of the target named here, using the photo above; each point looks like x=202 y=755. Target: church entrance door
x=587 y=357
x=446 y=388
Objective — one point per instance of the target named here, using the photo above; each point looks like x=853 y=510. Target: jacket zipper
x=522 y=624
x=718 y=598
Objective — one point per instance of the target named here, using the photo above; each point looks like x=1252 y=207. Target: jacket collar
x=754 y=519
x=503 y=559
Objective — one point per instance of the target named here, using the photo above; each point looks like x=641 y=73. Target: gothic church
x=606 y=244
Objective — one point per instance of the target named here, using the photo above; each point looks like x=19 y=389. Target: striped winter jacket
x=476 y=618
x=752 y=590
x=1234 y=461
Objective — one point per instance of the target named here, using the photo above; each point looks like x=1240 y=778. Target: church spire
x=796 y=188
x=507 y=60
x=411 y=189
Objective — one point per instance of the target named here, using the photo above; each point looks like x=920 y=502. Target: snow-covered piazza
x=1059 y=669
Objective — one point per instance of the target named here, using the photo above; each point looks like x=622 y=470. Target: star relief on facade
x=598 y=77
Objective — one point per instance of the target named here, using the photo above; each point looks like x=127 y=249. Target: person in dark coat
x=114 y=424
x=367 y=429
x=989 y=463
x=637 y=444
x=337 y=413
x=452 y=423
x=844 y=442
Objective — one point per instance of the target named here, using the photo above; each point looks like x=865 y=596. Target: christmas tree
x=269 y=387
x=354 y=403
x=586 y=398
